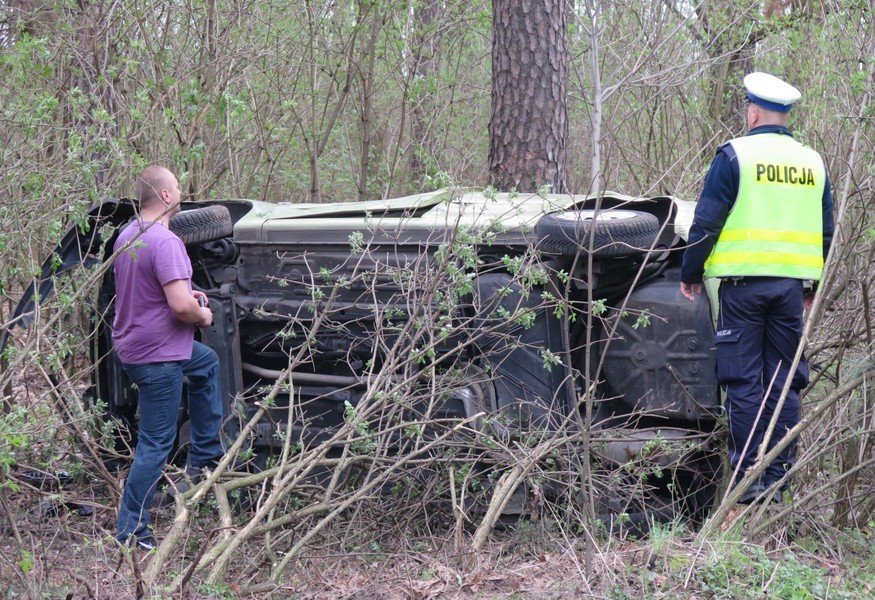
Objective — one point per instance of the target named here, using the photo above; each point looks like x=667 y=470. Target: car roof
x=419 y=218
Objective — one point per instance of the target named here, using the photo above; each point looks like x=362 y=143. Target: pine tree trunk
x=528 y=127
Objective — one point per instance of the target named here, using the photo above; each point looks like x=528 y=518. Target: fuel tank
x=662 y=365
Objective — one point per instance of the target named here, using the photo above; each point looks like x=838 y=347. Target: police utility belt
x=807 y=284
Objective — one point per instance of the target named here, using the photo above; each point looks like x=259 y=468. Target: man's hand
x=206 y=317
x=198 y=295
x=691 y=290
x=185 y=303
x=807 y=301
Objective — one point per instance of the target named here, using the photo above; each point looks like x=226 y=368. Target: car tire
x=616 y=232
x=202 y=224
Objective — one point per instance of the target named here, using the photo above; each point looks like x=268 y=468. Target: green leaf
x=26 y=562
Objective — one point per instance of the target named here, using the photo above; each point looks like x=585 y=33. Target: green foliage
x=356 y=241
x=25 y=563
x=739 y=571
x=549 y=358
x=270 y=103
x=525 y=317
x=15 y=438
x=643 y=320
x=364 y=444
x=219 y=591
x=663 y=536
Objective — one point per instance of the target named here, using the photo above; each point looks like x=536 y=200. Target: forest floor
x=63 y=554
x=52 y=550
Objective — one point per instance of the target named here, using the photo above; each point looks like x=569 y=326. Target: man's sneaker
x=179 y=484
x=145 y=542
x=175 y=488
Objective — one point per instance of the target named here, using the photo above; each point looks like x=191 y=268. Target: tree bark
x=427 y=13
x=528 y=127
x=366 y=107
x=596 y=178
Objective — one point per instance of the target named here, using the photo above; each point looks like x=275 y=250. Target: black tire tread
x=625 y=237
x=202 y=224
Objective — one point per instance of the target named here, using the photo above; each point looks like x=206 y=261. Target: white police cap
x=770 y=92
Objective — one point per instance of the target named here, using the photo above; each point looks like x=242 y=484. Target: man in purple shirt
x=156 y=312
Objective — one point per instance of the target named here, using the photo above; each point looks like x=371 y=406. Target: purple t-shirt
x=145 y=329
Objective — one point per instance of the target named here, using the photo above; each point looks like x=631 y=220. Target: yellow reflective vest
x=775 y=227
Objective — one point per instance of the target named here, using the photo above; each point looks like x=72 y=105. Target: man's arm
x=828 y=231
x=828 y=221
x=173 y=271
x=717 y=198
x=185 y=305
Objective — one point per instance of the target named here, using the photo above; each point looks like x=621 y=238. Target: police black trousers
x=759 y=326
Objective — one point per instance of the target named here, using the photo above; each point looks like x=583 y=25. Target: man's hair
x=772 y=117
x=150 y=183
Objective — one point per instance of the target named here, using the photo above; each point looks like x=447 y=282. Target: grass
x=732 y=568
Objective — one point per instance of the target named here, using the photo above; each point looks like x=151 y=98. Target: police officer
x=763 y=226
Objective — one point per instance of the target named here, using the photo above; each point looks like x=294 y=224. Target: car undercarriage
x=510 y=314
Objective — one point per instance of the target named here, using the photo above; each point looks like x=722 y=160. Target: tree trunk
x=528 y=127
x=595 y=168
x=366 y=107
x=427 y=13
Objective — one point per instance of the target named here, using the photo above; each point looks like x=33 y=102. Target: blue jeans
x=160 y=391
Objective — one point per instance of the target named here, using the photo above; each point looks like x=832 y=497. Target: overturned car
x=493 y=320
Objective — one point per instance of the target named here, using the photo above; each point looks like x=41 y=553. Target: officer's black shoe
x=755 y=493
x=777 y=492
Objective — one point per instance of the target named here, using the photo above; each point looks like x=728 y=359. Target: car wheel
x=202 y=224
x=614 y=232
x=701 y=479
